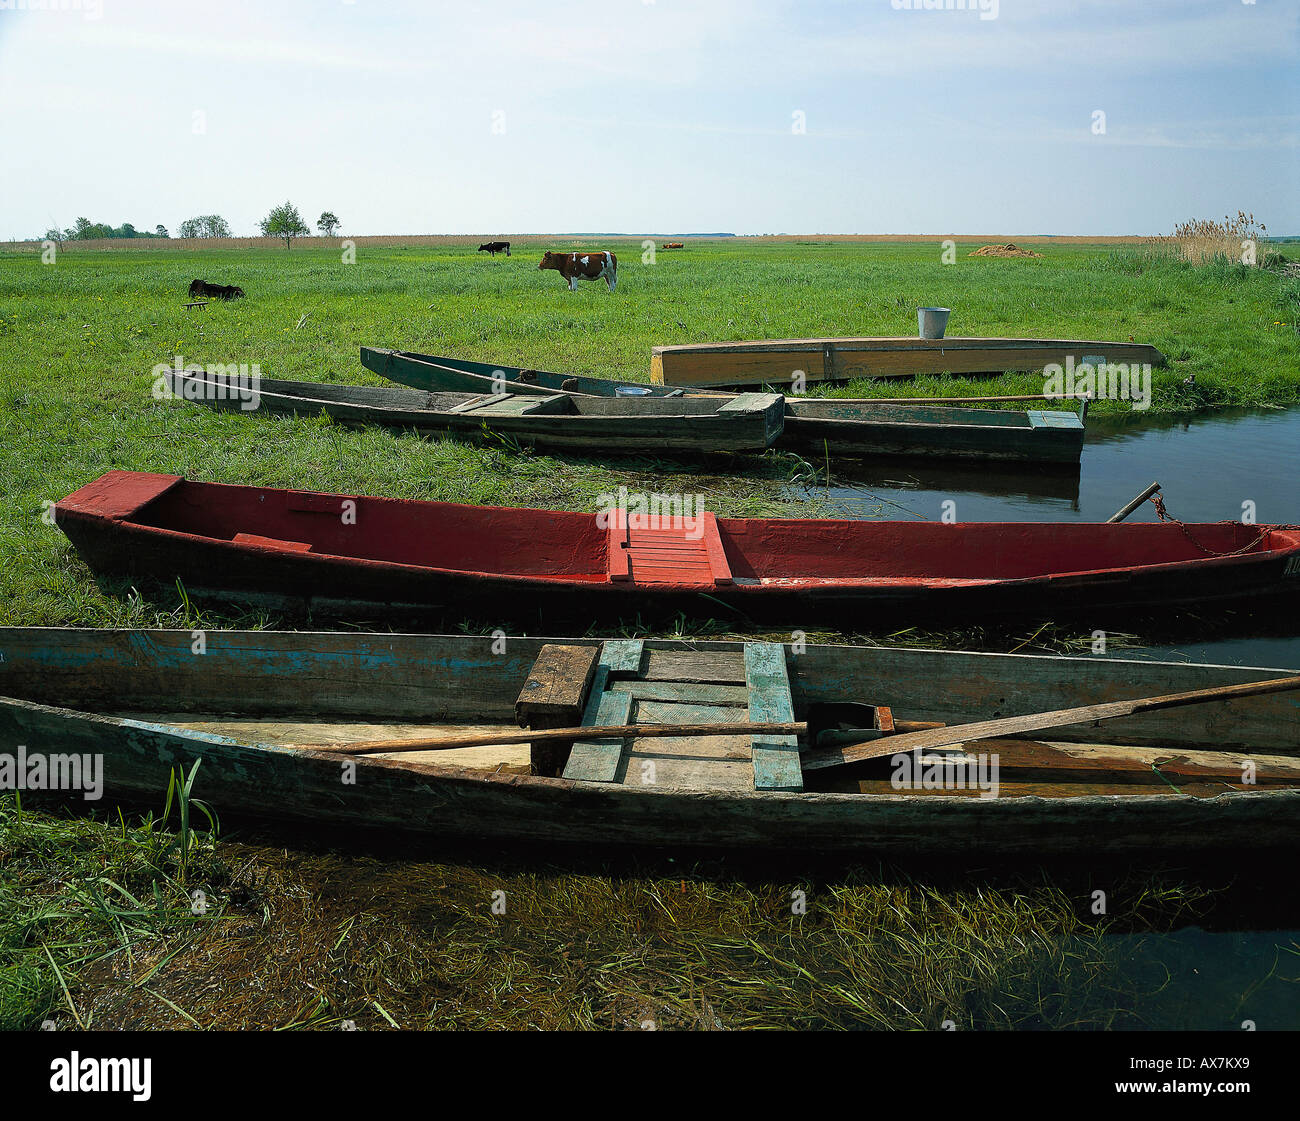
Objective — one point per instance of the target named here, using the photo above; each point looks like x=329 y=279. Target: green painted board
x=676 y=712
x=622 y=657
x=597 y=760
x=776 y=758
x=508 y=405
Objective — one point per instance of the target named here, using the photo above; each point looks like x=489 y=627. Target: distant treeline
x=86 y=230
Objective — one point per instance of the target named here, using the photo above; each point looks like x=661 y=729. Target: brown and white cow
x=601 y=265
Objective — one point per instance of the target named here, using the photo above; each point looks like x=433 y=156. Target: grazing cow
x=202 y=290
x=495 y=247
x=587 y=266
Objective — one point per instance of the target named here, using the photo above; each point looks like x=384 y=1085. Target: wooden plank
x=1038 y=721
x=556 y=686
x=598 y=760
x=622 y=657
x=271 y=543
x=750 y=402
x=724 y=667
x=687 y=692
x=719 y=567
x=554 y=696
x=711 y=764
x=479 y=403
x=652 y=711
x=618 y=562
x=776 y=758
x=512 y=404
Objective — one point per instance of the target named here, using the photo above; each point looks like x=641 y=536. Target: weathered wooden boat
x=834 y=425
x=697 y=425
x=438 y=372
x=275 y=721
x=778 y=361
x=643 y=555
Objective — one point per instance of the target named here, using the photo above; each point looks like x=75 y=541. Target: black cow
x=495 y=247
x=202 y=290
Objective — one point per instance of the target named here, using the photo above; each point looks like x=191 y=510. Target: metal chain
x=1165 y=516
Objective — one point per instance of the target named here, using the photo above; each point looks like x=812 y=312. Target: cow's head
x=550 y=260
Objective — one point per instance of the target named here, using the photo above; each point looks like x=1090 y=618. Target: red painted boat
x=346 y=554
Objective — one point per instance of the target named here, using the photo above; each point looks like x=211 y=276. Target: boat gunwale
x=896 y=343
x=666 y=645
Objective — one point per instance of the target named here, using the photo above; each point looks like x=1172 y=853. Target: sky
x=652 y=116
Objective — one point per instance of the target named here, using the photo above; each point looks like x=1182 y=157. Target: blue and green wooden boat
x=274 y=719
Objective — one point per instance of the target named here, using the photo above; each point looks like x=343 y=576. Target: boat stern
x=117 y=496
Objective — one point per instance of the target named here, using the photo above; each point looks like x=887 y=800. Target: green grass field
x=95 y=921
x=80 y=337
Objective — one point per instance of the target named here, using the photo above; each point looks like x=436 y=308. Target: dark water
x=1208 y=465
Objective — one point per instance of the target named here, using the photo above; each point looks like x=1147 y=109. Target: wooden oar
x=542 y=735
x=1034 y=722
x=907 y=740
x=1128 y=508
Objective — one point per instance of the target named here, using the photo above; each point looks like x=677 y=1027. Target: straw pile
x=1008 y=250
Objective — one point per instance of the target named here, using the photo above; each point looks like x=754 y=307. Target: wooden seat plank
x=686 y=691
x=776 y=758
x=479 y=403
x=598 y=760
x=705 y=666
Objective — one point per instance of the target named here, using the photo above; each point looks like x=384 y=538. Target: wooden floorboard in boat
x=703 y=666
x=684 y=763
x=511 y=756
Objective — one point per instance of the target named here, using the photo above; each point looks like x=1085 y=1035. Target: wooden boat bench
x=1044 y=418
x=620 y=683
x=666 y=554
x=513 y=404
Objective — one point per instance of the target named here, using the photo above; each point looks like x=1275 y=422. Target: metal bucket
x=633 y=391
x=931 y=322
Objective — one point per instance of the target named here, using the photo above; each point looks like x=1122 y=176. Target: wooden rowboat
x=268 y=716
x=832 y=425
x=746 y=422
x=777 y=361
x=364 y=554
x=437 y=372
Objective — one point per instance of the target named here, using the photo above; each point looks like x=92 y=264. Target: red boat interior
x=682 y=551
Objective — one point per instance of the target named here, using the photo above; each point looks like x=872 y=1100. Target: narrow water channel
x=1210 y=466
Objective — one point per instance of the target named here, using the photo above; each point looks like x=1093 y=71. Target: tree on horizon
x=205 y=225
x=284 y=221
